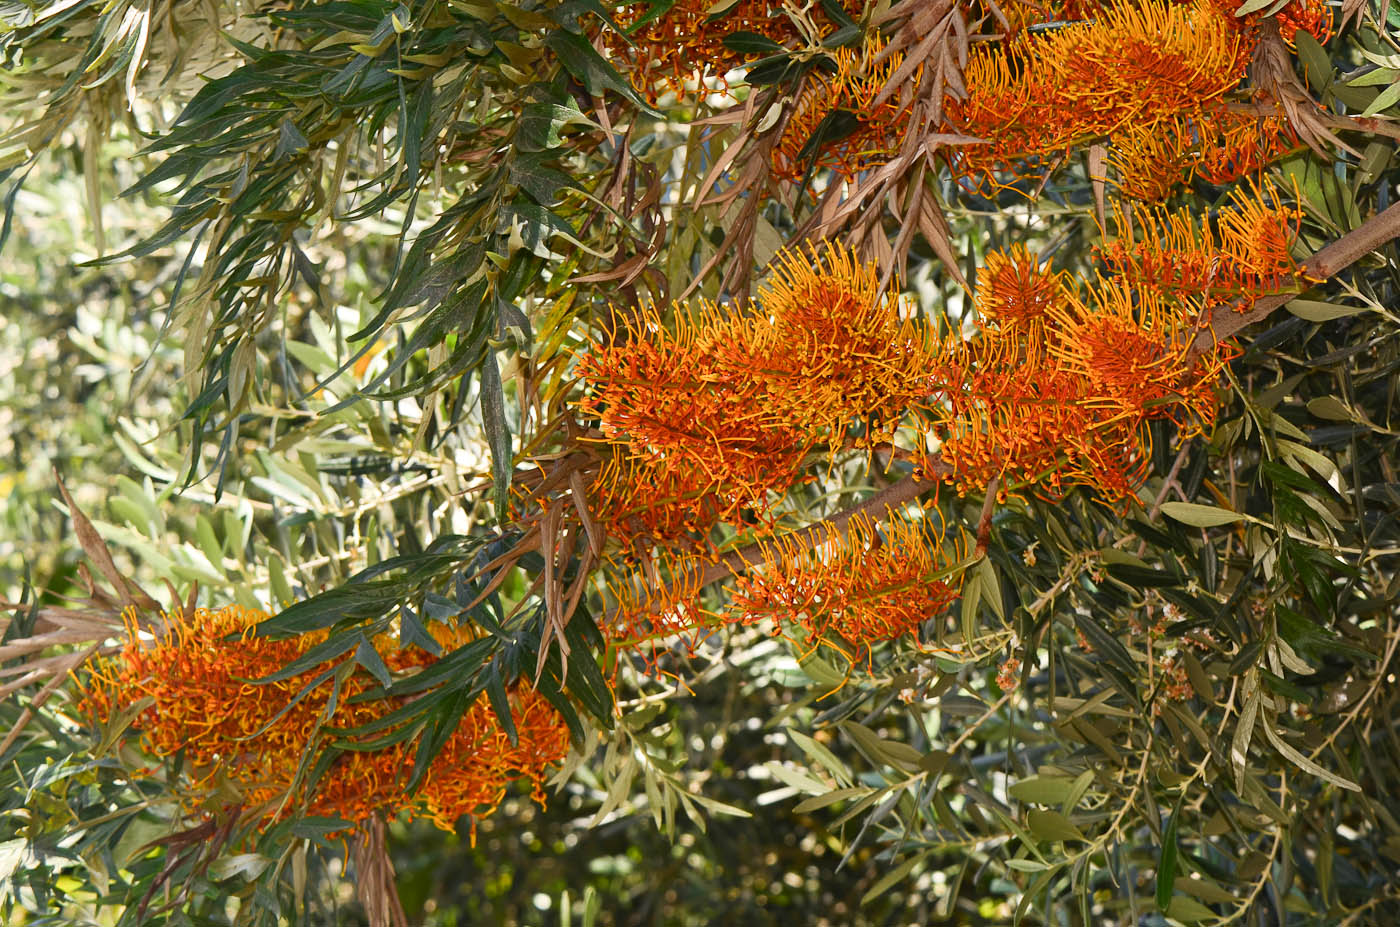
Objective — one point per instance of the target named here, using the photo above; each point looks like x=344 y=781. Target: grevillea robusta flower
x=193 y=678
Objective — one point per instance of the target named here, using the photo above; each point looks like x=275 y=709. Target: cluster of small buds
x=1259 y=606
x=1156 y=630
x=1008 y=673
x=1176 y=682
x=1201 y=639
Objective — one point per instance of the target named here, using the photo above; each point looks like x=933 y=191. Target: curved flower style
x=197 y=672
x=719 y=410
x=661 y=602
x=864 y=135
x=1247 y=254
x=1021 y=15
x=856 y=588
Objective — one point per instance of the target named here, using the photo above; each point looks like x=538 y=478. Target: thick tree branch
x=1225 y=321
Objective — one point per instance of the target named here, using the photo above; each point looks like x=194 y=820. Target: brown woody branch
x=1367 y=124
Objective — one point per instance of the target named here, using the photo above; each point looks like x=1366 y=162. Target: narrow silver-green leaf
x=1200 y=516
x=493 y=418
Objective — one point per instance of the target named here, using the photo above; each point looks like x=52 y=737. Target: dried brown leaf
x=375 y=885
x=1272 y=71
x=96 y=550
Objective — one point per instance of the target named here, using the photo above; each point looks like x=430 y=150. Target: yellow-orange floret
x=193 y=677
x=1014 y=289
x=855 y=588
x=862 y=134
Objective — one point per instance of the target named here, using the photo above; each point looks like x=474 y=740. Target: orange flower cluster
x=197 y=674
x=1313 y=16
x=1217 y=145
x=1150 y=77
x=644 y=500
x=1010 y=413
x=659 y=605
x=1006 y=674
x=1055 y=389
x=1128 y=350
x=673 y=47
x=1132 y=65
x=1004 y=406
x=710 y=418
x=687 y=430
x=685 y=42
x=1248 y=253
x=862 y=135
x=851 y=591
x=835 y=125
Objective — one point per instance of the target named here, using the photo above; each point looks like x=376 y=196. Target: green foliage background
x=331 y=307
